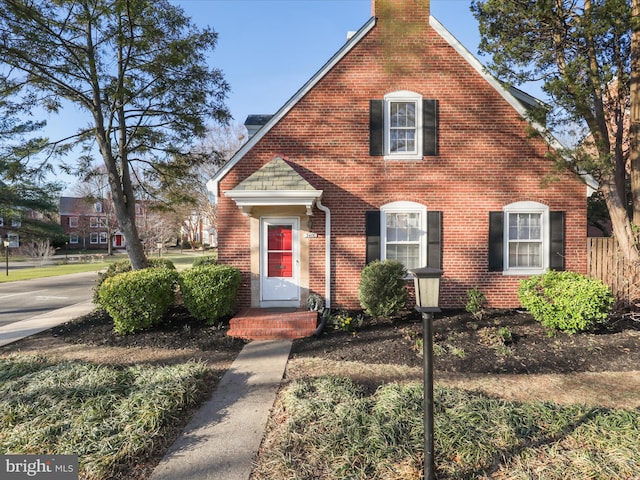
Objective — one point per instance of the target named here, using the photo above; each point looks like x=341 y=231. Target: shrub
x=346 y=321
x=138 y=300
x=122 y=266
x=206 y=260
x=382 y=291
x=475 y=303
x=566 y=301
x=209 y=291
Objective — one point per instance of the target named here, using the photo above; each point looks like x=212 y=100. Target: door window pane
x=279 y=251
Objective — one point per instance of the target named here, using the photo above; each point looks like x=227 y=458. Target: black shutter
x=496 y=241
x=556 y=251
x=376 y=128
x=372 y=231
x=430 y=127
x=434 y=240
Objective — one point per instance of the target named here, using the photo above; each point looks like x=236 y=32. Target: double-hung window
x=526 y=238
x=404 y=227
x=403 y=126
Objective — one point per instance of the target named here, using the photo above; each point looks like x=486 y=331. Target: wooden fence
x=606 y=264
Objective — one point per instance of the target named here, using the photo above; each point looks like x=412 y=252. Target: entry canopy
x=275 y=184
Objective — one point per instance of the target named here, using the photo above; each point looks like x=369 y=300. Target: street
x=25 y=299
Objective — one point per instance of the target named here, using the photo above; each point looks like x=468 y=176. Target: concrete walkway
x=222 y=440
x=24 y=328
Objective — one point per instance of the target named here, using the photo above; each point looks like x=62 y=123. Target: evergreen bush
x=122 y=266
x=139 y=299
x=382 y=291
x=205 y=260
x=566 y=301
x=209 y=291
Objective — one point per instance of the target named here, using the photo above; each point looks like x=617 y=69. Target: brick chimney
x=402 y=34
x=401 y=10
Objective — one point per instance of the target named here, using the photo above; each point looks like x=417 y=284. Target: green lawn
x=64 y=265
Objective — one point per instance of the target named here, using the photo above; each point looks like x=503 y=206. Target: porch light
x=426 y=282
x=427 y=286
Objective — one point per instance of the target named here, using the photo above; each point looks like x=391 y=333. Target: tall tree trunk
x=634 y=128
x=622 y=228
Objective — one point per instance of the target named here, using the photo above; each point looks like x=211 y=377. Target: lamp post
x=6 y=242
x=426 y=282
x=159 y=247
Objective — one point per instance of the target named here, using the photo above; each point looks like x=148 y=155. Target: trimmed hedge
x=209 y=291
x=566 y=301
x=382 y=291
x=122 y=266
x=206 y=260
x=138 y=300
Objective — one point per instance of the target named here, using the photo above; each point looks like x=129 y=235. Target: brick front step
x=271 y=324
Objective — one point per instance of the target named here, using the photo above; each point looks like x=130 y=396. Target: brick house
x=88 y=224
x=400 y=147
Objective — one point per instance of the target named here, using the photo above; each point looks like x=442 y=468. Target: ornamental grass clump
x=332 y=428
x=209 y=291
x=110 y=416
x=138 y=300
x=566 y=301
x=382 y=291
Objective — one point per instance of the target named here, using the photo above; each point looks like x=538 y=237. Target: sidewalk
x=223 y=438
x=24 y=328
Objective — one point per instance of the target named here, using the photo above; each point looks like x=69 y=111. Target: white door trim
x=275 y=291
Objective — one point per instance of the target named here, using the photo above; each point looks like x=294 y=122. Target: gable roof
x=276 y=175
x=275 y=183
x=77 y=206
x=346 y=48
x=519 y=100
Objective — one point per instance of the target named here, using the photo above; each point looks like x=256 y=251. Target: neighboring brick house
x=401 y=147
x=87 y=224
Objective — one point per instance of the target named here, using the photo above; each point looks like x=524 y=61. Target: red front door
x=279 y=263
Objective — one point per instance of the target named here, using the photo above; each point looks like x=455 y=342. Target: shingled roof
x=276 y=183
x=275 y=175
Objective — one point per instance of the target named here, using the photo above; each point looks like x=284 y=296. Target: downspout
x=327 y=267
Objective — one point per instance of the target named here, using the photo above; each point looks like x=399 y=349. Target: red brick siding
x=486 y=161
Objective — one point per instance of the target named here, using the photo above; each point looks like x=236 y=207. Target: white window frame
x=104 y=237
x=74 y=238
x=98 y=207
x=404 y=207
x=94 y=222
x=409 y=97
x=527 y=208
x=73 y=222
x=94 y=238
x=16 y=222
